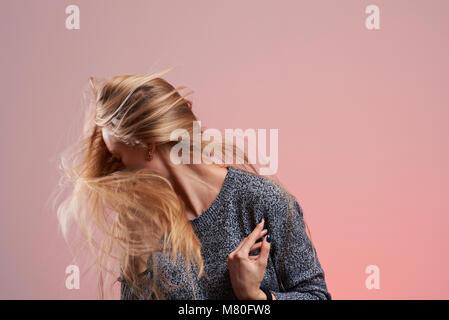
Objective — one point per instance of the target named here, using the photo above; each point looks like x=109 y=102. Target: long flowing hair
x=124 y=215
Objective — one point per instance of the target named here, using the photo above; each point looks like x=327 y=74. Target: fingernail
x=268 y=238
x=264 y=229
x=260 y=220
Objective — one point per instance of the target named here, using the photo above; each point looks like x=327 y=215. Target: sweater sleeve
x=292 y=253
x=127 y=292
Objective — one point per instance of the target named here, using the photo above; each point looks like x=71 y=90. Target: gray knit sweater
x=243 y=199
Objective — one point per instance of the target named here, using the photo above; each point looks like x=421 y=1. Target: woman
x=181 y=230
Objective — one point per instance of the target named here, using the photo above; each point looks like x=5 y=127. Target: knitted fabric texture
x=244 y=198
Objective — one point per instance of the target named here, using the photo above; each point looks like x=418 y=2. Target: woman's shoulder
x=260 y=189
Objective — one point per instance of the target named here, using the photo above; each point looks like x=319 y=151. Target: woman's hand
x=247 y=272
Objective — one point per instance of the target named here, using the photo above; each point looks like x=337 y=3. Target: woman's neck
x=198 y=185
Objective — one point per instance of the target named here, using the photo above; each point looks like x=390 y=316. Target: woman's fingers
x=244 y=240
x=255 y=246
x=258 y=244
x=264 y=250
x=251 y=239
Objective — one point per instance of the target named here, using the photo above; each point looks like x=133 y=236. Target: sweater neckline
x=210 y=213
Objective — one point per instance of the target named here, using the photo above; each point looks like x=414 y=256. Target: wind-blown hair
x=127 y=216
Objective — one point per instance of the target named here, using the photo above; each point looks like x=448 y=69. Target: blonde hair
x=136 y=212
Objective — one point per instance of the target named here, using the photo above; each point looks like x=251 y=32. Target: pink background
x=362 y=118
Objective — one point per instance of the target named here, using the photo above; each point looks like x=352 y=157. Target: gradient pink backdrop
x=362 y=118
